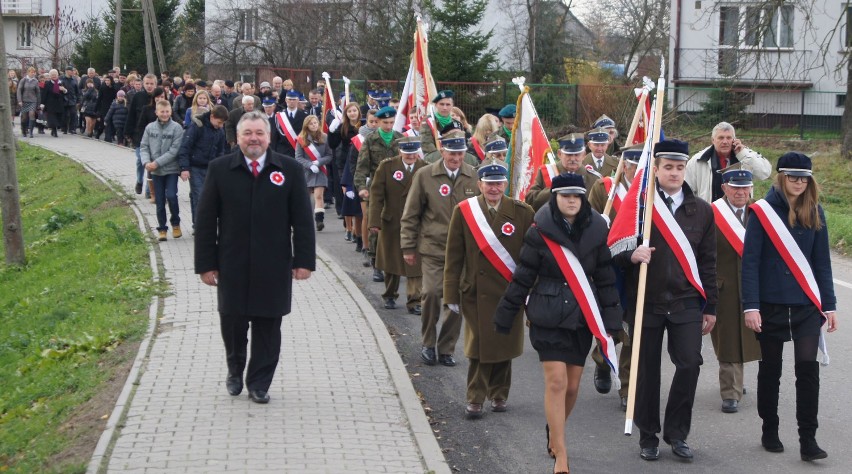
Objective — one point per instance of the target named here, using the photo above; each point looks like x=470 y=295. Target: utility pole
x=10 y=200
x=116 y=47
x=155 y=31
x=146 y=27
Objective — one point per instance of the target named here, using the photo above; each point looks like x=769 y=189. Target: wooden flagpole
x=650 y=190
x=616 y=180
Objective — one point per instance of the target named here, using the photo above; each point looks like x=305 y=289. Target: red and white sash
x=548 y=172
x=357 y=141
x=591 y=169
x=286 y=128
x=431 y=122
x=314 y=154
x=789 y=250
x=480 y=153
x=410 y=133
x=674 y=236
x=731 y=227
x=486 y=239
x=578 y=282
x=620 y=192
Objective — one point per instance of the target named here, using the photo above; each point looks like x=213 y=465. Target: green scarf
x=508 y=133
x=386 y=136
x=442 y=121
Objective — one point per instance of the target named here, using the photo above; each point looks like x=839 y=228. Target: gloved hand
x=350 y=194
x=454 y=308
x=314 y=169
x=333 y=126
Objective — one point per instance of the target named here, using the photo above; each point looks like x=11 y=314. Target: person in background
x=200 y=105
x=313 y=153
x=203 y=140
x=28 y=95
x=182 y=102
x=160 y=144
x=116 y=119
x=106 y=96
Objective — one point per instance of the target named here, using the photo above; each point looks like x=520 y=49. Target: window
x=25 y=34
x=247 y=25
x=765 y=27
x=840 y=100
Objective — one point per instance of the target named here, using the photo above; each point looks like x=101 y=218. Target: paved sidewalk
x=341 y=399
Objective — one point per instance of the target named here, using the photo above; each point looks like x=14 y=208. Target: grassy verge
x=70 y=317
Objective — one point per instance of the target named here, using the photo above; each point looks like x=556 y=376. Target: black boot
x=319 y=217
x=807 y=407
x=378 y=276
x=359 y=243
x=768 y=381
x=31 y=125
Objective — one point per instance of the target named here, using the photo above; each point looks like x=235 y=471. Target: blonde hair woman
x=313 y=153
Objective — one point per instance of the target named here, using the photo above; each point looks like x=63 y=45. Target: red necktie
x=254 y=171
x=723 y=162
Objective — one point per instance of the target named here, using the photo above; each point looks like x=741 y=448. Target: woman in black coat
x=53 y=101
x=559 y=331
x=106 y=96
x=345 y=155
x=775 y=304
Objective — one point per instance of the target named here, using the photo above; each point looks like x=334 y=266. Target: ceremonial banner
x=486 y=239
x=618 y=196
x=419 y=86
x=530 y=148
x=641 y=131
x=357 y=141
x=548 y=172
x=327 y=101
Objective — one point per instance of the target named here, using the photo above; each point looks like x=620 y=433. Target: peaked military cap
x=409 y=145
x=493 y=172
x=454 y=141
x=267 y=101
x=598 y=135
x=293 y=94
x=568 y=183
x=632 y=154
x=737 y=178
x=496 y=145
x=604 y=122
x=572 y=143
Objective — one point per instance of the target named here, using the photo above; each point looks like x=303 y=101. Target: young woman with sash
x=313 y=153
x=565 y=269
x=788 y=295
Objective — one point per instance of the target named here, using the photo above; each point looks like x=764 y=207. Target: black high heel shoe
x=549 y=451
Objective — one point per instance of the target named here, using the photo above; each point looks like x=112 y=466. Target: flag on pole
x=327 y=101
x=419 y=85
x=530 y=147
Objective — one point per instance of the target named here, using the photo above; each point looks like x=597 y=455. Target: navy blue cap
x=269 y=100
x=445 y=94
x=794 y=163
x=604 y=122
x=386 y=94
x=454 y=141
x=572 y=143
x=373 y=94
x=632 y=154
x=672 y=150
x=453 y=125
x=493 y=172
x=508 y=111
x=302 y=97
x=738 y=178
x=293 y=94
x=351 y=96
x=568 y=183
x=409 y=145
x=598 y=135
x=386 y=112
x=496 y=145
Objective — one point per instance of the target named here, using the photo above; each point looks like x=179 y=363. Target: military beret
x=632 y=154
x=409 y=145
x=453 y=125
x=794 y=163
x=568 y=183
x=454 y=141
x=737 y=178
x=267 y=101
x=572 y=143
x=493 y=172
x=496 y=145
x=293 y=94
x=445 y=94
x=508 y=111
x=386 y=112
x=598 y=135
x=672 y=150
x=604 y=122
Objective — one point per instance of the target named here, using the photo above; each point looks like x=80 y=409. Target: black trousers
x=265 y=348
x=684 y=345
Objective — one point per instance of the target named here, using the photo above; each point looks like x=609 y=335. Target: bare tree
x=53 y=38
x=629 y=30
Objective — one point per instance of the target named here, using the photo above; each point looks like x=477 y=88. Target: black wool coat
x=254 y=232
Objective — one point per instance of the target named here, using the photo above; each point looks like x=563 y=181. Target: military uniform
x=471 y=280
x=539 y=193
x=425 y=222
x=389 y=188
x=436 y=156
x=607 y=169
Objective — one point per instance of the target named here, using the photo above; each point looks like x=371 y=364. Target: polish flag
x=419 y=85
x=530 y=147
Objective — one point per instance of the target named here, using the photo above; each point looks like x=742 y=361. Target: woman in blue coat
x=776 y=306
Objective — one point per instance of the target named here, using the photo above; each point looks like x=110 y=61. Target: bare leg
x=562 y=384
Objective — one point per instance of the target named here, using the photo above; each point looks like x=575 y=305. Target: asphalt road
x=514 y=442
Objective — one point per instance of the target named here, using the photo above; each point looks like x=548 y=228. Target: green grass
x=66 y=315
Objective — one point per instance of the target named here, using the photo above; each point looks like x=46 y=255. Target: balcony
x=749 y=67
x=21 y=8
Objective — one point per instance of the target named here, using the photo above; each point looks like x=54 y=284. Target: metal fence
x=566 y=107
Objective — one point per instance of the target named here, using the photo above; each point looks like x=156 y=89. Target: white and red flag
x=327 y=101
x=419 y=85
x=642 y=129
x=530 y=148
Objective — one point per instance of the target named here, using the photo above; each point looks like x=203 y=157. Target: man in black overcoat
x=252 y=204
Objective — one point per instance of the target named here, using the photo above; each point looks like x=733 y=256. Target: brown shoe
x=473 y=411
x=176 y=232
x=163 y=236
x=498 y=406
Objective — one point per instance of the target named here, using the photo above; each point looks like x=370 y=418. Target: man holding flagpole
x=572 y=150
x=680 y=299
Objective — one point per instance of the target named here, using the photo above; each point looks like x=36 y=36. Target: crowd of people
x=432 y=204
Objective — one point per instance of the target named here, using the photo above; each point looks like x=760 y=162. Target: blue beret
x=739 y=178
x=599 y=135
x=672 y=150
x=568 y=183
x=409 y=145
x=794 y=163
x=445 y=94
x=508 y=111
x=292 y=94
x=497 y=145
x=493 y=173
x=632 y=154
x=604 y=122
x=269 y=100
x=572 y=143
x=386 y=112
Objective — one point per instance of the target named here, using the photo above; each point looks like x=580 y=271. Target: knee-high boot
x=768 y=382
x=807 y=408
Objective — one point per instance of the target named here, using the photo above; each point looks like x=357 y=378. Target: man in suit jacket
x=252 y=204
x=296 y=117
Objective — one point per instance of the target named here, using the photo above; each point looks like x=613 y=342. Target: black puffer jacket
x=551 y=302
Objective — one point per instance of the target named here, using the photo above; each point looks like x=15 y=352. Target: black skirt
x=784 y=322
x=562 y=345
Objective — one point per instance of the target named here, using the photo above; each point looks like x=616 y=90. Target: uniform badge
x=398 y=175
x=508 y=228
x=277 y=178
x=444 y=190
